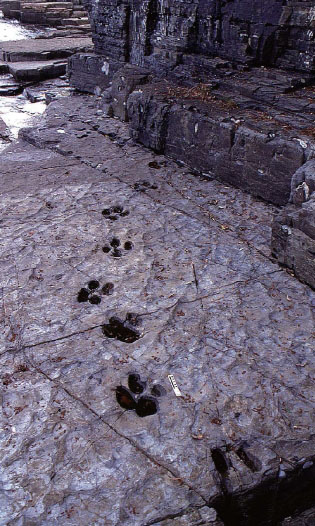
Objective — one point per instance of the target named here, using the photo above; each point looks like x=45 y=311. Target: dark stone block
x=91 y=73
x=124 y=82
x=206 y=136
x=293 y=233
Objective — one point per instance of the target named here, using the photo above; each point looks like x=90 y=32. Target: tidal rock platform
x=119 y=268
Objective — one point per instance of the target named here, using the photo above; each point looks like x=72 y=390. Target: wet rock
x=83 y=295
x=70 y=14
x=48 y=90
x=144 y=405
x=93 y=284
x=4 y=131
x=115 y=212
x=158 y=390
x=9 y=87
x=108 y=289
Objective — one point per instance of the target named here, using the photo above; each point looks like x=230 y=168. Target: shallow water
x=17 y=112
x=13 y=30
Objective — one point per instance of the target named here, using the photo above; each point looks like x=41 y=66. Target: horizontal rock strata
x=63 y=13
x=273 y=33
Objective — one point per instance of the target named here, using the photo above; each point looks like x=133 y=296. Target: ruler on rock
x=174 y=385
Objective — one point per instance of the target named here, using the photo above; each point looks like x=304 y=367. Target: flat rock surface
x=185 y=286
x=27 y=71
x=44 y=44
x=43 y=48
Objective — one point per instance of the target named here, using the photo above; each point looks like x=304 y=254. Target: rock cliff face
x=257 y=32
x=224 y=86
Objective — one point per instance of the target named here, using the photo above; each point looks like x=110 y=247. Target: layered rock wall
x=274 y=33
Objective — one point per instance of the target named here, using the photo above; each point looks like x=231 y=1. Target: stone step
x=35 y=71
x=15 y=14
x=49 y=13
x=47 y=5
x=43 y=49
x=9 y=5
x=85 y=27
x=46 y=12
x=74 y=21
x=8 y=86
x=43 y=18
x=85 y=30
x=78 y=13
x=35 y=2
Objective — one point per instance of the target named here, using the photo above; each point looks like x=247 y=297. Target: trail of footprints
x=123 y=330
x=93 y=291
x=135 y=398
